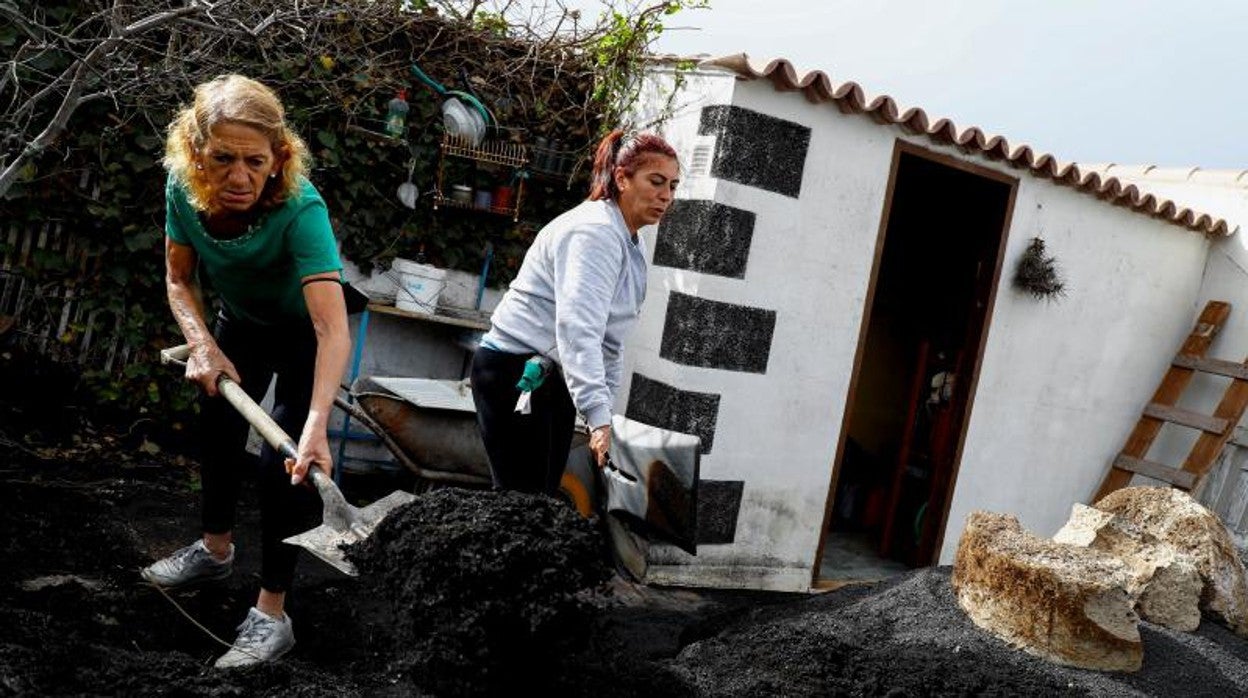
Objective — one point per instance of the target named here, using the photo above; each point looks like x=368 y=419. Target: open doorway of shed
x=935 y=276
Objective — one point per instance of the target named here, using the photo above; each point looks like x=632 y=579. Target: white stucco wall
x=1221 y=194
x=1226 y=279
x=1061 y=383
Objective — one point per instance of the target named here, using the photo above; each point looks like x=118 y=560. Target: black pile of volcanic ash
x=489 y=589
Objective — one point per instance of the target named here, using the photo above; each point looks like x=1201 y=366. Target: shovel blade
x=327 y=543
x=654 y=483
x=354 y=526
x=372 y=514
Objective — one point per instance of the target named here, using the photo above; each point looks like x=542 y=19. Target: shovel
x=342 y=524
x=651 y=479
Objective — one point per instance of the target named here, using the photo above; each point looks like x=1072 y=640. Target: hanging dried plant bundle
x=1037 y=273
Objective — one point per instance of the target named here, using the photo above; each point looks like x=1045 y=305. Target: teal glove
x=535 y=370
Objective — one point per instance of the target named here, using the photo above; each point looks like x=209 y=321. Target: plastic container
x=420 y=285
x=482 y=198
x=461 y=193
x=396 y=117
x=503 y=196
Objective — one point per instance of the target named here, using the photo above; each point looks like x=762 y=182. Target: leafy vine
x=88 y=87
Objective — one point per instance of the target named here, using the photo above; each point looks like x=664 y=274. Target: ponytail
x=626 y=151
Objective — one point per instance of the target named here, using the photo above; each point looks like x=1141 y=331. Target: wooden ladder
x=1215 y=430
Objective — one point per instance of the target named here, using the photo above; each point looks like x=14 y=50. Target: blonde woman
x=240 y=209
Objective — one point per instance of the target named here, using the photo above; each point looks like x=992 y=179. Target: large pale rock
x=1176 y=519
x=1068 y=604
x=1165 y=583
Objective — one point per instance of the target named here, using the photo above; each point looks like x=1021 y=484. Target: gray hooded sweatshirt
x=577 y=295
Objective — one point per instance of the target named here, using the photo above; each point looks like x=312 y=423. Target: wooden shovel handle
x=234 y=393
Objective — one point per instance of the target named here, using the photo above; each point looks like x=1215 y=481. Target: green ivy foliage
x=99 y=190
x=102 y=187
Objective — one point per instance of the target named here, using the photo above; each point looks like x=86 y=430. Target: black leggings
x=258 y=352
x=528 y=452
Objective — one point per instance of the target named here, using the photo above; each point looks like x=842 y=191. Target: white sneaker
x=261 y=638
x=194 y=563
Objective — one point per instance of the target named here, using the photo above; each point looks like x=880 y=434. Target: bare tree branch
x=76 y=75
x=536 y=58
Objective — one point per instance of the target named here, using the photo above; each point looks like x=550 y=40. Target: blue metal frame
x=344 y=433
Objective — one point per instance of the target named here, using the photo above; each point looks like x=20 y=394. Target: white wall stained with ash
x=809 y=261
x=1061 y=382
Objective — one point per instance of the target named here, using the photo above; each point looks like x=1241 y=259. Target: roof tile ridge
x=850 y=97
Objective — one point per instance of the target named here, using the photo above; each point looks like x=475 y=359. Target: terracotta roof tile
x=850 y=98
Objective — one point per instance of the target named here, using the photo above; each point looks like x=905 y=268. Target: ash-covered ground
x=466 y=593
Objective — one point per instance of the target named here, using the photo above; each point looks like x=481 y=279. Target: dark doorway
x=918 y=358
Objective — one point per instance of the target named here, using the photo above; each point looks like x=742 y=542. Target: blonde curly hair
x=234 y=99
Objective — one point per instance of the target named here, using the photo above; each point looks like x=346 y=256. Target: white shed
x=831 y=309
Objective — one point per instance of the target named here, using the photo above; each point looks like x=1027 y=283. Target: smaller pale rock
x=1065 y=603
x=1177 y=520
x=1165 y=583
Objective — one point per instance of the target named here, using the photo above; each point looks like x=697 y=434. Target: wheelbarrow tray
x=431 y=423
x=430 y=426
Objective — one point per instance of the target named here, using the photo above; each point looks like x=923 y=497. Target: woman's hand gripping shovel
x=342 y=523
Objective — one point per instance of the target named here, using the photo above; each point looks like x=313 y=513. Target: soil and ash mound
x=74 y=617
x=907 y=637
x=488 y=588
x=472 y=593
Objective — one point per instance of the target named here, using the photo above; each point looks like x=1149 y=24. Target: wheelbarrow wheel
x=576 y=494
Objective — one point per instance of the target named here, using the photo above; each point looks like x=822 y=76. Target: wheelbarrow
x=428 y=426
x=649 y=485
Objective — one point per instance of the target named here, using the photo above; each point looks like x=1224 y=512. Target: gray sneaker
x=261 y=638
x=194 y=563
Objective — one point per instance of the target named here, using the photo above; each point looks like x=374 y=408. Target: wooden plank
x=1243 y=519
x=1157 y=471
x=1172 y=384
x=1218 y=367
x=475 y=324
x=1187 y=418
x=1239 y=437
x=1234 y=463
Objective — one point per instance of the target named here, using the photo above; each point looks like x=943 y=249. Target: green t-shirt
x=259 y=274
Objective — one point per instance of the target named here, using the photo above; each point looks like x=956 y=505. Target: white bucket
x=419 y=286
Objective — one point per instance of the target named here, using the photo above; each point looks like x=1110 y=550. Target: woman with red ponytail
x=565 y=315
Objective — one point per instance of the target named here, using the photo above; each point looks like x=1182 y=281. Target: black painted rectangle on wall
x=712 y=334
x=756 y=149
x=719 y=505
x=706 y=237
x=661 y=405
